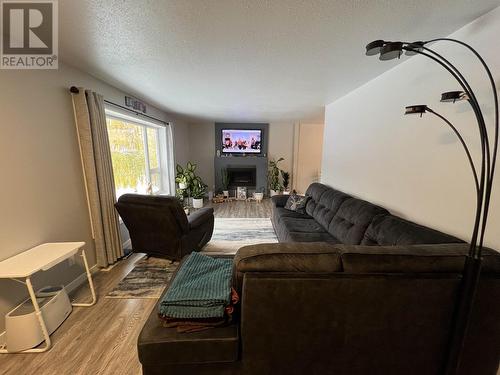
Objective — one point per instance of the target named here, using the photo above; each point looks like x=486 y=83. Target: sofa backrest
x=382 y=309
x=344 y=217
x=326 y=206
x=392 y=230
x=352 y=219
x=314 y=192
x=155 y=223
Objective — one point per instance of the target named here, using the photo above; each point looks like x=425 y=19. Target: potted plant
x=286 y=182
x=182 y=183
x=225 y=182
x=273 y=176
x=198 y=192
x=185 y=177
x=259 y=195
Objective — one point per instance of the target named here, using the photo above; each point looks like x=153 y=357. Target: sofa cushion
x=286 y=257
x=328 y=205
x=352 y=219
x=312 y=237
x=297 y=203
x=314 y=191
x=281 y=212
x=432 y=258
x=393 y=230
x=293 y=224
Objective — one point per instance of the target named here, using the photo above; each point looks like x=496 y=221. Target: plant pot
x=197 y=202
x=286 y=192
x=258 y=196
x=182 y=185
x=225 y=193
x=274 y=192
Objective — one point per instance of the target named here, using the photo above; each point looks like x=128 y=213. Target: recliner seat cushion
x=393 y=230
x=352 y=219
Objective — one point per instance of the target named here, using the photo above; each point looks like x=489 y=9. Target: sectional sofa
x=335 y=217
x=340 y=308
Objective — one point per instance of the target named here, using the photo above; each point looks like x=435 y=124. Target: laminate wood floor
x=237 y=209
x=102 y=339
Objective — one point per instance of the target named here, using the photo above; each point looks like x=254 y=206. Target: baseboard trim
x=127 y=244
x=80 y=280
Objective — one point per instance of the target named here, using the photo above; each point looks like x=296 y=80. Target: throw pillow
x=297 y=203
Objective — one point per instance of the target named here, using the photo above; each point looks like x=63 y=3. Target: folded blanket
x=193 y=325
x=200 y=289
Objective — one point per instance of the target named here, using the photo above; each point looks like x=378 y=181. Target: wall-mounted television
x=241 y=141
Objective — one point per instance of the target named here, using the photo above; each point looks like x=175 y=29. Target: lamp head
x=414 y=48
x=391 y=50
x=453 y=96
x=418 y=109
x=373 y=48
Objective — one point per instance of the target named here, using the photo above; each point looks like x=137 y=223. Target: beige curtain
x=98 y=175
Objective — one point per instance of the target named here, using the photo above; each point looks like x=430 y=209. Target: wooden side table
x=42 y=258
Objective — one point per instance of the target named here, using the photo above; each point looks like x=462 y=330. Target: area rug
x=147 y=280
x=232 y=233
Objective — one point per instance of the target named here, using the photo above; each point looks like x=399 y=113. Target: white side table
x=42 y=258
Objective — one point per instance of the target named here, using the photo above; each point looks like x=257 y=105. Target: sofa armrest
x=279 y=200
x=199 y=217
x=310 y=257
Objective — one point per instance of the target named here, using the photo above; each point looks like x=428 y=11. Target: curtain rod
x=75 y=90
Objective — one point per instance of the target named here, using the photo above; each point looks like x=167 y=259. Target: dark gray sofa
x=347 y=309
x=335 y=217
x=319 y=308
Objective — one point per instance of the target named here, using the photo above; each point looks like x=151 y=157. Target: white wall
x=42 y=195
x=415 y=166
x=308 y=151
x=281 y=144
x=202 y=150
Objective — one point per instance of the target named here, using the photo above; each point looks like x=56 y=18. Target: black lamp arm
x=472 y=97
x=491 y=158
x=493 y=87
x=461 y=79
x=466 y=149
x=473 y=102
x=489 y=185
x=477 y=222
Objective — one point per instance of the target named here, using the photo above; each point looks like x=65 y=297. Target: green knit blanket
x=200 y=289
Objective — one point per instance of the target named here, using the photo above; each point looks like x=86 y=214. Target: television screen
x=241 y=141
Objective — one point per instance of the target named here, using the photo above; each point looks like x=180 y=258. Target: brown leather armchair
x=159 y=227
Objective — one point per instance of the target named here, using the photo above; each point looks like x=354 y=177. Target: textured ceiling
x=246 y=60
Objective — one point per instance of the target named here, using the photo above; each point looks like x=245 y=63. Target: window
x=141 y=152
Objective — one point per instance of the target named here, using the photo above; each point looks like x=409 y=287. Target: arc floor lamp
x=483 y=181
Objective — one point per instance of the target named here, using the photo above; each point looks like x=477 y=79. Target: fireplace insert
x=242 y=176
